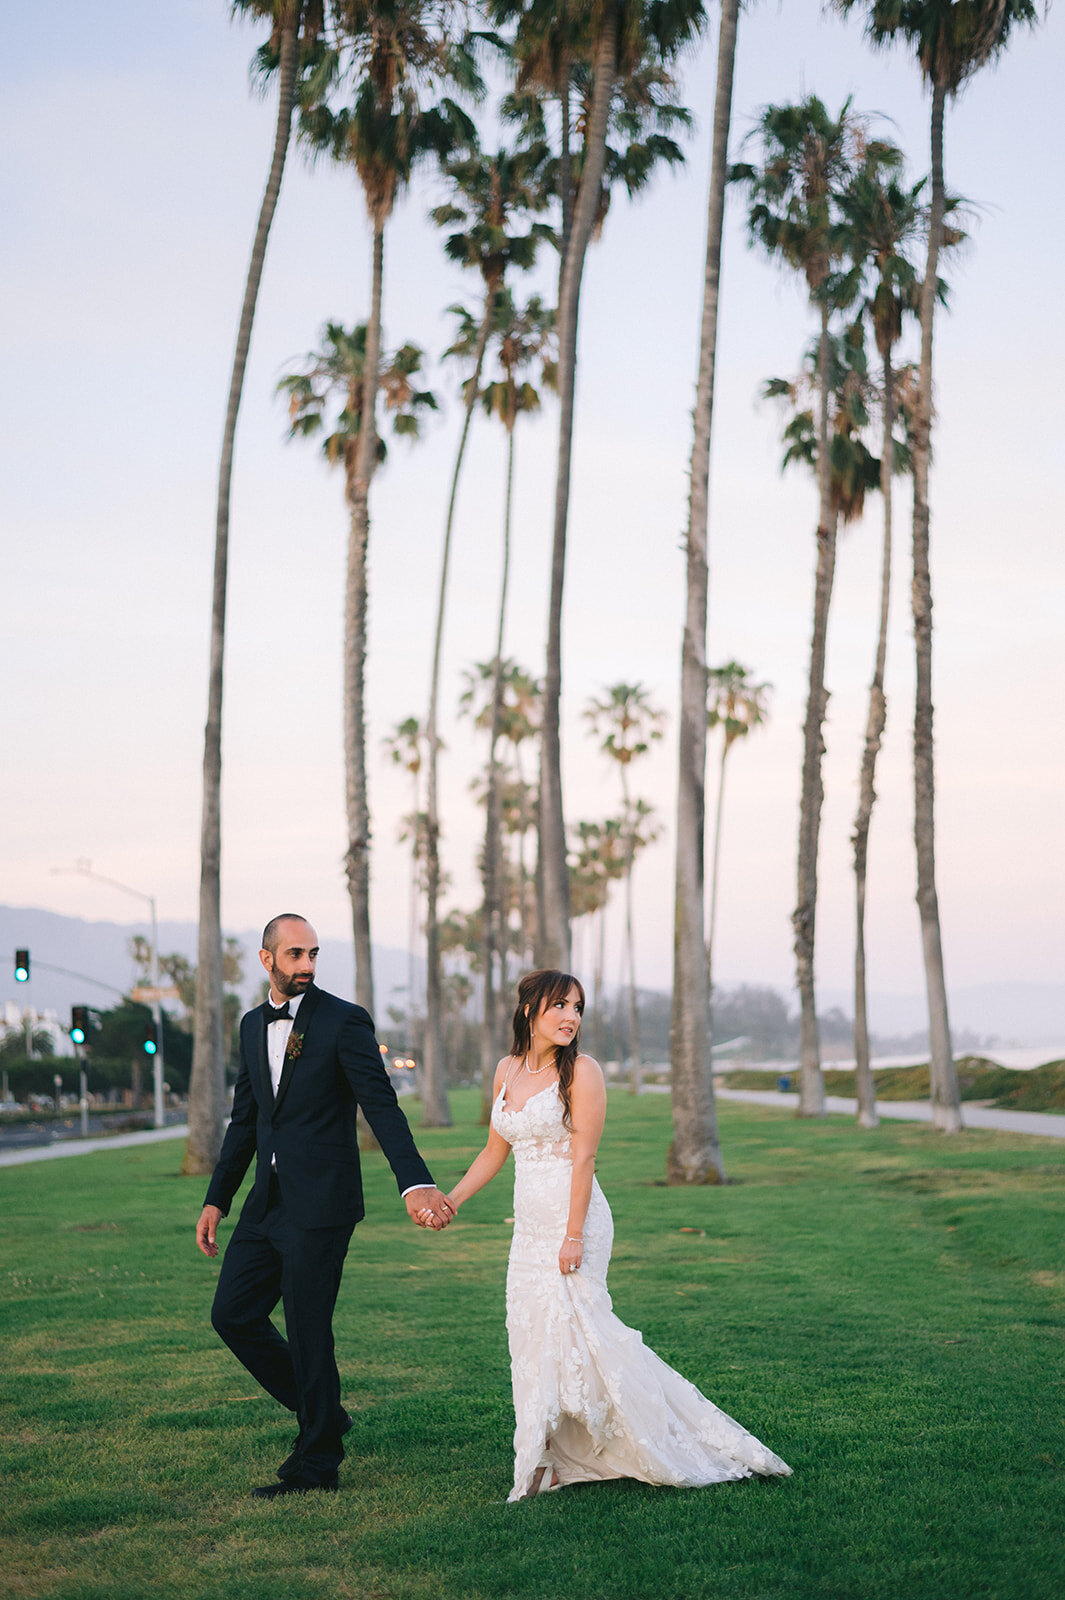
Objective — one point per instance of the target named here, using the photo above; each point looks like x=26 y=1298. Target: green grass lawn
x=885 y=1310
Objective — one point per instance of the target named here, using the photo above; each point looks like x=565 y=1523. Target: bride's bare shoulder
x=503 y=1066
x=589 y=1068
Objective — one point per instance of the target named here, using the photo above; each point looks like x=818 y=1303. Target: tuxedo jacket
x=309 y=1131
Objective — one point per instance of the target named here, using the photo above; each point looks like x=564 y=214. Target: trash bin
x=783 y=1083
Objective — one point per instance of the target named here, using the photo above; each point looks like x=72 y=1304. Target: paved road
x=1049 y=1124
x=81 y=1147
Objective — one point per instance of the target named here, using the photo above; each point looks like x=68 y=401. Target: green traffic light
x=78 y=1035
x=149 y=1047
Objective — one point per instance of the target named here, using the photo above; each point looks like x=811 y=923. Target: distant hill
x=100 y=951
x=1013 y=1013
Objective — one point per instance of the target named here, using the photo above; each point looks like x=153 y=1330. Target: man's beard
x=290 y=987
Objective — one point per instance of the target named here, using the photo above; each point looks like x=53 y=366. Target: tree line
x=591 y=107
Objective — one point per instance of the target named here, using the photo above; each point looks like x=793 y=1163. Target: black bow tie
x=278 y=1014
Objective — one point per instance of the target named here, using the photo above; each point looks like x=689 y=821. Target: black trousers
x=270 y=1261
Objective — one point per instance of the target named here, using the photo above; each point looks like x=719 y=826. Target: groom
x=307 y=1062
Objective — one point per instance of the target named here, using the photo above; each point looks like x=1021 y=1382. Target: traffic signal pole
x=84 y=870
x=83 y=1090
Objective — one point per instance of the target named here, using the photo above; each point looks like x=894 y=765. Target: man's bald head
x=289 y=953
x=272 y=932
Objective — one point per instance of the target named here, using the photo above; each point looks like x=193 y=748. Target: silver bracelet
x=574 y=1238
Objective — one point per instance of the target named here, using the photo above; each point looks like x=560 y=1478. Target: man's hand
x=207 y=1230
x=429 y=1208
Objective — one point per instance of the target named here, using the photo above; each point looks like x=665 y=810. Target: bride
x=590 y=1399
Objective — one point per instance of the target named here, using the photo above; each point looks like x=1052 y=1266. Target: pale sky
x=135 y=162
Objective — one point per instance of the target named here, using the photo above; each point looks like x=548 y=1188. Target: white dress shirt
x=277 y=1036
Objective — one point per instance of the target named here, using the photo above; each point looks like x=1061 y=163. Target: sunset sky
x=135 y=162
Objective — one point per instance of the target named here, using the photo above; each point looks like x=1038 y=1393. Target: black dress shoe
x=271 y=1491
x=293 y=1465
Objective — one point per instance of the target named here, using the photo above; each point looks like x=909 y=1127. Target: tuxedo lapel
x=295 y=1043
x=264 y=1059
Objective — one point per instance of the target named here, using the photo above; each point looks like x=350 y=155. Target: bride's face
x=557 y=1024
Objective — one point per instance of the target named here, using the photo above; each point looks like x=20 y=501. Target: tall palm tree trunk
x=946 y=1101
x=357 y=860
x=600 y=997
x=553 y=932
x=635 y=1064
x=436 y=1113
x=695 y=1152
x=865 y=1086
x=715 y=864
x=811 y=1084
x=715 y=868
x=207 y=1083
x=526 y=889
x=494 y=949
x=565 y=166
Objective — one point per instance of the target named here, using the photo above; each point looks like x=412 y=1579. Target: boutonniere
x=293 y=1046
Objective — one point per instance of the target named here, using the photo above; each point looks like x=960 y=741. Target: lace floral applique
x=589 y=1396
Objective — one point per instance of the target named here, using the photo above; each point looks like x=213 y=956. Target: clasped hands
x=428 y=1208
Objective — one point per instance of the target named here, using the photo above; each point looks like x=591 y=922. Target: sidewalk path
x=81 y=1147
x=1049 y=1124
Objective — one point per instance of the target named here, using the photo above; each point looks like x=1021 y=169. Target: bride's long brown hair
x=538 y=991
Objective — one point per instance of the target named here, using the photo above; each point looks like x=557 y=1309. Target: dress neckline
x=503 y=1097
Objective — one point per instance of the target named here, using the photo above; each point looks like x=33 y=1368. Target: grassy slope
x=886 y=1311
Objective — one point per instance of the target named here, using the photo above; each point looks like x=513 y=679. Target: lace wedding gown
x=590 y=1399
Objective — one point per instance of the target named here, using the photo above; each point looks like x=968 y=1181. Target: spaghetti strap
x=506 y=1081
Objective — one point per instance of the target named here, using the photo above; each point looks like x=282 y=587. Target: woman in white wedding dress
x=590 y=1399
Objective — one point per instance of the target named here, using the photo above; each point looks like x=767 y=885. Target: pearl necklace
x=534 y=1072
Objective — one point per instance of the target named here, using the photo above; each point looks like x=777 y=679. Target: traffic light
x=150 y=1046
x=79 y=1024
x=22 y=966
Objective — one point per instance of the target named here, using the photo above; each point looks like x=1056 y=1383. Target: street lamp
x=84 y=870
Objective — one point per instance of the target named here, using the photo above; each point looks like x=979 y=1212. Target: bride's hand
x=570 y=1256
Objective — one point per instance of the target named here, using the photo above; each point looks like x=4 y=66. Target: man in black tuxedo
x=308 y=1061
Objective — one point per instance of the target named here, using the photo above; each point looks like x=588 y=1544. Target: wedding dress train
x=590 y=1399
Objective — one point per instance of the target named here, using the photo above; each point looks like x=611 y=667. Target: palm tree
x=553 y=51
x=599 y=858
x=294 y=35
x=806 y=160
x=853 y=470
x=736 y=704
x=490 y=196
x=519 y=805
x=883 y=221
x=627 y=724
x=405 y=746
x=390 y=54
x=523 y=337
x=616 y=38
x=328 y=391
x=952 y=40
x=552 y=875
x=548 y=41
x=695 y=1152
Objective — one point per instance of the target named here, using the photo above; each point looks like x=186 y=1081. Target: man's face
x=291 y=966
